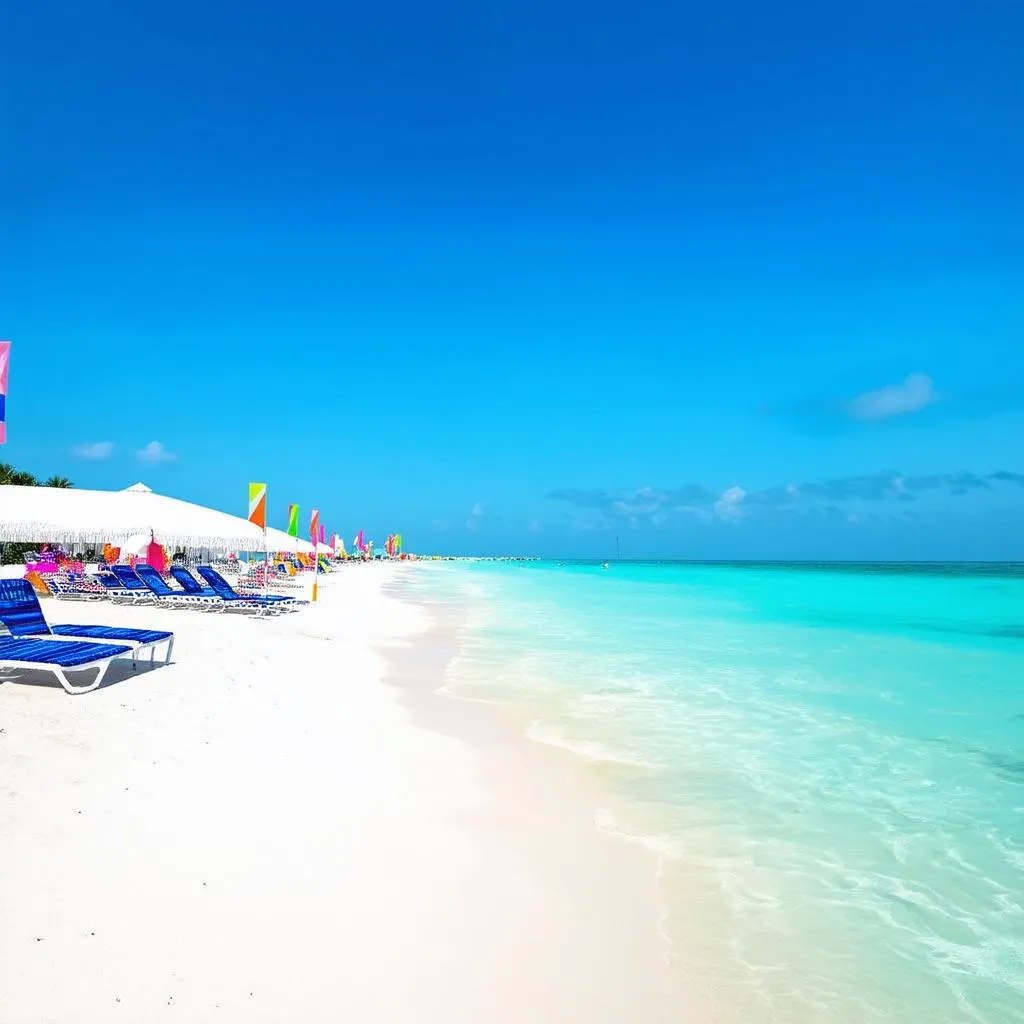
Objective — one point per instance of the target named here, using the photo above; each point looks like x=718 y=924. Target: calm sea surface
x=829 y=759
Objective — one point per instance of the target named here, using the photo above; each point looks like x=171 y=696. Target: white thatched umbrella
x=76 y=516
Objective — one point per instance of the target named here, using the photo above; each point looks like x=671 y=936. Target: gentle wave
x=830 y=764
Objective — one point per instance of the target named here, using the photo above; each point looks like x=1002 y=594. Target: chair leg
x=71 y=688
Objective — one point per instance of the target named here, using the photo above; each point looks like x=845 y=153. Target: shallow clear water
x=830 y=761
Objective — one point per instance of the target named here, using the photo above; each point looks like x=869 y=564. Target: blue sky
x=726 y=280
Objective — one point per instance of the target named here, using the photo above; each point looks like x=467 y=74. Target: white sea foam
x=834 y=847
x=552 y=736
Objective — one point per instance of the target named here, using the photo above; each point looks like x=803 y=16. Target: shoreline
x=287 y=823
x=794 y=877
x=545 y=809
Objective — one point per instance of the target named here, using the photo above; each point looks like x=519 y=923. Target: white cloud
x=729 y=505
x=156 y=452
x=93 y=450
x=915 y=393
x=476 y=513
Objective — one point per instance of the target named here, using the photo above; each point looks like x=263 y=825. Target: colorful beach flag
x=5 y=358
x=323 y=536
x=258 y=505
x=314 y=526
x=293 y=520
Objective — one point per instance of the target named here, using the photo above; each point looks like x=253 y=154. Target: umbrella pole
x=266 y=562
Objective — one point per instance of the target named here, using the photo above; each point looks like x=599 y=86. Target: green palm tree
x=10 y=475
x=58 y=481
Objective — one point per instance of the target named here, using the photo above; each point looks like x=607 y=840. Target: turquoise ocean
x=827 y=760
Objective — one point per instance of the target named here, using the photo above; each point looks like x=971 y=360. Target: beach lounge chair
x=257 y=577
x=159 y=589
x=22 y=615
x=75 y=588
x=189 y=584
x=128 y=586
x=270 y=604
x=245 y=590
x=108 y=581
x=60 y=657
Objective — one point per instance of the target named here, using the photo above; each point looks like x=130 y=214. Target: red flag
x=314 y=525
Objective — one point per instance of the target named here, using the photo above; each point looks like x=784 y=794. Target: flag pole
x=314 y=536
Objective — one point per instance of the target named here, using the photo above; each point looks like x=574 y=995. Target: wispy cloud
x=155 y=452
x=1008 y=478
x=476 y=514
x=93 y=450
x=640 y=502
x=730 y=503
x=653 y=506
x=830 y=414
x=916 y=392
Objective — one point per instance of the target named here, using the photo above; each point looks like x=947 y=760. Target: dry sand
x=284 y=825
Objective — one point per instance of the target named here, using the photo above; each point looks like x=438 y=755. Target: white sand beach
x=283 y=825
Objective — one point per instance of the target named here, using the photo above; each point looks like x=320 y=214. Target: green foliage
x=10 y=475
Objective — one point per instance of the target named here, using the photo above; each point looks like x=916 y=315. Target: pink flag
x=322 y=534
x=5 y=358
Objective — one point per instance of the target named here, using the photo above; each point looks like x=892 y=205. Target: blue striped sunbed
x=190 y=584
x=22 y=616
x=158 y=588
x=270 y=604
x=138 y=591
x=59 y=657
x=128 y=586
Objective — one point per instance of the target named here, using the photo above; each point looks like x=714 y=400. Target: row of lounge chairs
x=33 y=643
x=144 y=585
